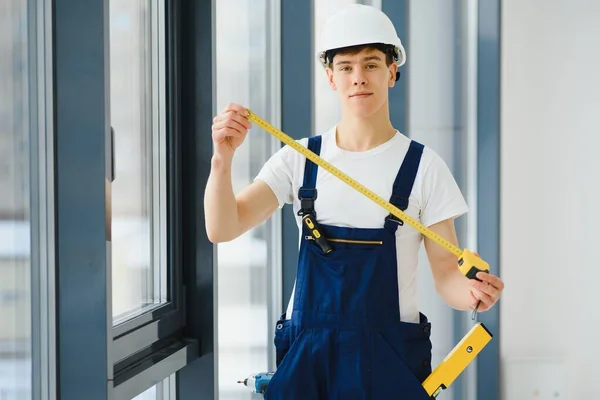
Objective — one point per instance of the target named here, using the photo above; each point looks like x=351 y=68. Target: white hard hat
x=359 y=24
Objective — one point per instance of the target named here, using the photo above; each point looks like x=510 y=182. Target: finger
x=225 y=133
x=491 y=279
x=486 y=300
x=232 y=125
x=233 y=116
x=228 y=114
x=236 y=108
x=486 y=288
x=474 y=301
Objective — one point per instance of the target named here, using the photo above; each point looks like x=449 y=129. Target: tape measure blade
x=352 y=183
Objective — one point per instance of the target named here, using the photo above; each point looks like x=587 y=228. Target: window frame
x=123 y=360
x=156 y=136
x=140 y=336
x=42 y=206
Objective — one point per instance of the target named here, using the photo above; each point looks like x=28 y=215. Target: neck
x=361 y=134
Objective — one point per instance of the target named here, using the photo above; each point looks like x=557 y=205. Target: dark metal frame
x=95 y=359
x=196 y=65
x=81 y=128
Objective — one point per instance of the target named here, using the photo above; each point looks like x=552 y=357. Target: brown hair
x=351 y=50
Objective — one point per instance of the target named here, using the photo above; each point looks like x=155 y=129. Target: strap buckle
x=307 y=199
x=393 y=218
x=402 y=204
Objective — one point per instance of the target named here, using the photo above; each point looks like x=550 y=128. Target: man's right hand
x=229 y=130
x=229 y=215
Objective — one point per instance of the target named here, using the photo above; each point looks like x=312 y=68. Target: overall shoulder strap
x=308 y=192
x=405 y=179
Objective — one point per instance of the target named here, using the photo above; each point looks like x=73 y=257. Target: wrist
x=221 y=162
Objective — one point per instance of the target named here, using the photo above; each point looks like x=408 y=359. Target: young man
x=353 y=329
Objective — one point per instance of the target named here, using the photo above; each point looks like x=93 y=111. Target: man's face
x=362 y=81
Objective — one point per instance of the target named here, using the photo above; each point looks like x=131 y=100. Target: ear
x=392 y=77
x=329 y=73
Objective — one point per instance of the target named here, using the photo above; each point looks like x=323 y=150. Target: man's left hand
x=487 y=291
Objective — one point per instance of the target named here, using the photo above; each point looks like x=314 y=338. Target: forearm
x=220 y=206
x=455 y=289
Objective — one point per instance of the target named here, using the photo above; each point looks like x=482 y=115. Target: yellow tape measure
x=468 y=262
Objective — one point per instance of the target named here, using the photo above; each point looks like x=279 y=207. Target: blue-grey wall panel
x=197 y=380
x=84 y=325
x=397 y=11
x=488 y=183
x=297 y=61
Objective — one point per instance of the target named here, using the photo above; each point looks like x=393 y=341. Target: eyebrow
x=368 y=58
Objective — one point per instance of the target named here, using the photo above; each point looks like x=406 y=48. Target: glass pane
x=149 y=394
x=15 y=243
x=138 y=195
x=243 y=75
x=165 y=390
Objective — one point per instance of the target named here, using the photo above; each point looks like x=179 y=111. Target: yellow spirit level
x=468 y=262
x=457 y=360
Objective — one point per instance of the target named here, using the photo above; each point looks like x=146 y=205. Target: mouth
x=361 y=94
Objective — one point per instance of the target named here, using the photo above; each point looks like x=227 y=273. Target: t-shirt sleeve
x=278 y=173
x=442 y=198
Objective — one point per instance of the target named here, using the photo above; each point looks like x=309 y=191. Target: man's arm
x=450 y=283
x=457 y=290
x=229 y=216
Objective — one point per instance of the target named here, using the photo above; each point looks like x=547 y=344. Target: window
x=137 y=111
x=15 y=215
x=245 y=41
x=146 y=270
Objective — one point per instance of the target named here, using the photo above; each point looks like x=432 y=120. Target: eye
x=345 y=69
x=371 y=66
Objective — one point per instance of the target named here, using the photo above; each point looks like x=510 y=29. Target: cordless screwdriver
x=258 y=382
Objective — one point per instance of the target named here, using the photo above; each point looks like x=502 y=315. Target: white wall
x=550 y=203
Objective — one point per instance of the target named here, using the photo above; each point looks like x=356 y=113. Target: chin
x=363 y=110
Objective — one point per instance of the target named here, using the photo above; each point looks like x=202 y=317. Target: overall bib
x=345 y=339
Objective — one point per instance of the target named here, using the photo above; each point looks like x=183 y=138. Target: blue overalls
x=345 y=339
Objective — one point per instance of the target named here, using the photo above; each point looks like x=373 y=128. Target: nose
x=359 y=77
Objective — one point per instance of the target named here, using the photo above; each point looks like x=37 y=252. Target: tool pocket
x=294 y=377
x=285 y=336
x=398 y=373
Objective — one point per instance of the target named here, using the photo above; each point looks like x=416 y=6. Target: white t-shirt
x=434 y=198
